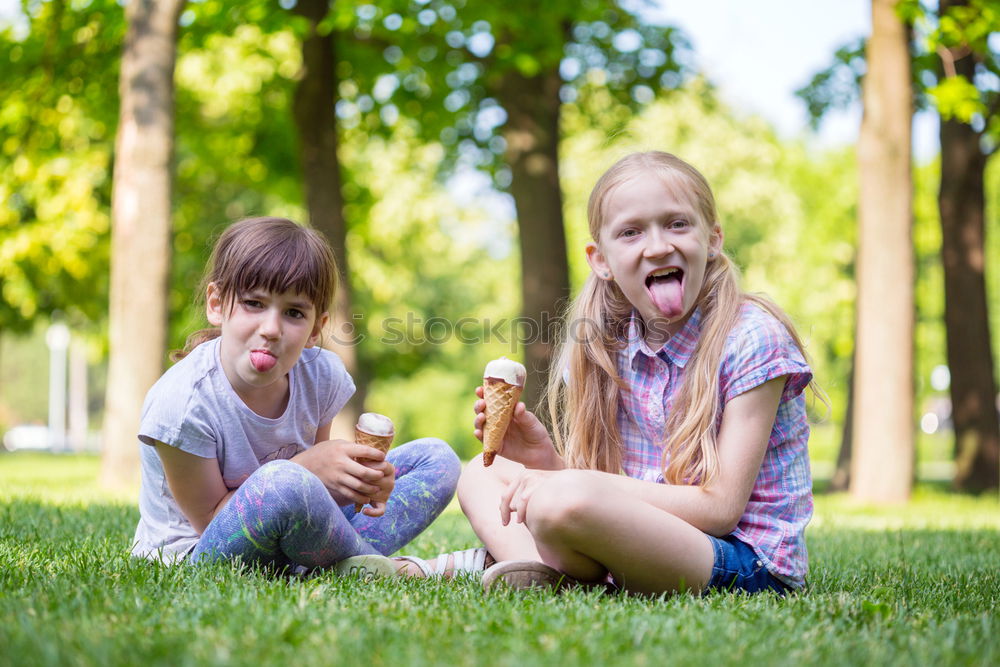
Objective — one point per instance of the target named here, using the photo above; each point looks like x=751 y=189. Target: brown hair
x=273 y=254
x=584 y=408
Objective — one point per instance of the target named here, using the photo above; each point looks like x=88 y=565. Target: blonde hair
x=583 y=407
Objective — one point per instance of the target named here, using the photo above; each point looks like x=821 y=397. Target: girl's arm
x=195 y=483
x=716 y=509
x=323 y=433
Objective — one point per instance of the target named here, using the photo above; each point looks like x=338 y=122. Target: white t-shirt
x=193 y=407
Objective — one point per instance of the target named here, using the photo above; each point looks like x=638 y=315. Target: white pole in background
x=78 y=422
x=57 y=338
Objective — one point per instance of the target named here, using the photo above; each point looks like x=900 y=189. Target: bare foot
x=407 y=568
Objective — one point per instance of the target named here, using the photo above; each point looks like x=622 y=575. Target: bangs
x=684 y=183
x=274 y=255
x=682 y=189
x=284 y=268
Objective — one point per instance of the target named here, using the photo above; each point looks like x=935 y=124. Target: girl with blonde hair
x=678 y=458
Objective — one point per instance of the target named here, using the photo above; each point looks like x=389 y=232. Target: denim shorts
x=737 y=568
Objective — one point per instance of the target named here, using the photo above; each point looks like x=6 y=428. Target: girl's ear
x=598 y=262
x=213 y=305
x=715 y=239
x=317 y=331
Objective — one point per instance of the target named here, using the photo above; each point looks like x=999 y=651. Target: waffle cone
x=501 y=399
x=380 y=442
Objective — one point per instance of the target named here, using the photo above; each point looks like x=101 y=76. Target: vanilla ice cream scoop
x=507 y=370
x=375 y=424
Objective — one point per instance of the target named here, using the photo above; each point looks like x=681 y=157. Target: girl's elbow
x=717 y=526
x=199 y=523
x=199 y=518
x=724 y=526
x=724 y=520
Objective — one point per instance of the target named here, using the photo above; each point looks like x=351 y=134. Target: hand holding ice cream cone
x=503 y=382
x=373 y=430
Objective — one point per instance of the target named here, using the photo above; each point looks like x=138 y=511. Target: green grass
x=917 y=585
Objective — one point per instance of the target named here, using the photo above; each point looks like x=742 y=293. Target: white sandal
x=467 y=561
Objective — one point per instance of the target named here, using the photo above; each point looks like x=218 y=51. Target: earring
x=607 y=276
x=711 y=255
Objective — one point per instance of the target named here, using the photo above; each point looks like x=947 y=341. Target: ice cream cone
x=503 y=383
x=381 y=440
x=501 y=399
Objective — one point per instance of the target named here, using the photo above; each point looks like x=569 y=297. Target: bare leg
x=585 y=526
x=479 y=491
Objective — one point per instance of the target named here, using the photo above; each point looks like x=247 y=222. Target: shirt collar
x=678 y=349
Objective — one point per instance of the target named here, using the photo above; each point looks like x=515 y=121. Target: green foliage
x=961 y=31
x=939 y=39
x=956 y=97
x=21 y=357
x=397 y=53
x=839 y=85
x=913 y=585
x=417 y=97
x=236 y=148
x=428 y=282
x=967 y=26
x=57 y=122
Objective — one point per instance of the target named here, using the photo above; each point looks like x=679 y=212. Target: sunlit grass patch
x=916 y=584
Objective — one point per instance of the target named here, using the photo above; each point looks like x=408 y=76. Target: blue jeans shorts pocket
x=737 y=568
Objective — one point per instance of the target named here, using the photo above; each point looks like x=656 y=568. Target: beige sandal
x=521 y=575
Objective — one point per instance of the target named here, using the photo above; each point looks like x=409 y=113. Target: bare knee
x=562 y=506
x=469 y=482
x=478 y=481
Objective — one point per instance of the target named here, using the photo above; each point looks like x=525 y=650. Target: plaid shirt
x=758 y=349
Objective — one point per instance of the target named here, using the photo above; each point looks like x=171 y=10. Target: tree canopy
x=424 y=145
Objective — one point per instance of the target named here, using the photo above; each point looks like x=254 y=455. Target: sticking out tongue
x=262 y=361
x=668 y=294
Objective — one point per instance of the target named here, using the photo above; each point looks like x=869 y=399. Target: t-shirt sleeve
x=761 y=349
x=341 y=386
x=176 y=419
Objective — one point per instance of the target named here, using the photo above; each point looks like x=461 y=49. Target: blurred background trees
x=954 y=72
x=447 y=150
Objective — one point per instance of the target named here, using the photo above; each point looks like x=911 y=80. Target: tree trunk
x=141 y=229
x=315 y=99
x=532 y=136
x=961 y=201
x=883 y=457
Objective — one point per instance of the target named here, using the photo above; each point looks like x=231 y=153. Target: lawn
x=917 y=585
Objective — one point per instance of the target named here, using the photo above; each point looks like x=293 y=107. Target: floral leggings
x=283 y=515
